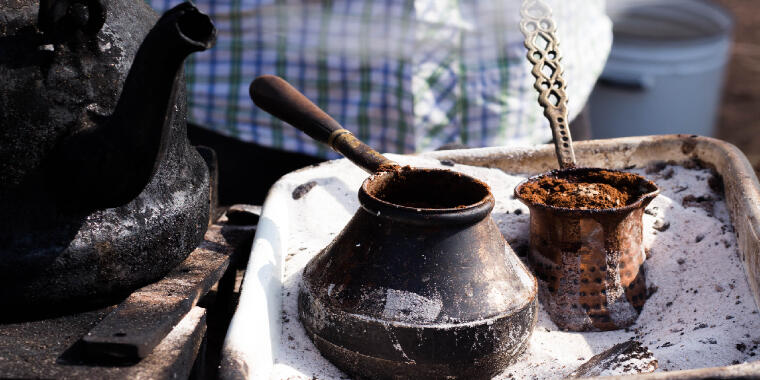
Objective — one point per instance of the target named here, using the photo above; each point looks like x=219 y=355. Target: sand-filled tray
x=700 y=319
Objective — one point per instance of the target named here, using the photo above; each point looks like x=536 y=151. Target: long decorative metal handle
x=539 y=29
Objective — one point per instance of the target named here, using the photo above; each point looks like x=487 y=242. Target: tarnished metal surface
x=419 y=283
x=588 y=262
x=541 y=40
x=491 y=349
x=209 y=156
x=140 y=322
x=100 y=191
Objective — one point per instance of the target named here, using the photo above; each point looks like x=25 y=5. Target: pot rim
x=470 y=213
x=642 y=201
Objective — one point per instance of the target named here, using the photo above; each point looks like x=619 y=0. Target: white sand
x=701 y=315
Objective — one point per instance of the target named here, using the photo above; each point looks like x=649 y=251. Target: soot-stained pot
x=420 y=283
x=100 y=191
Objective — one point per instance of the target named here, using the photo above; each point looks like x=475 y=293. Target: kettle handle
x=63 y=16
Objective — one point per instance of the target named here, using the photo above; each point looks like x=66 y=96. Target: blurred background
x=682 y=66
x=676 y=66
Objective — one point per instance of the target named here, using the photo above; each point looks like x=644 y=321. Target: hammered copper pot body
x=427 y=290
x=589 y=261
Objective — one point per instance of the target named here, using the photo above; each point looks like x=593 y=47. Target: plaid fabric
x=403 y=75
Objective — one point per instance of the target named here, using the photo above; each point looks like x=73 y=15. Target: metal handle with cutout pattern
x=539 y=29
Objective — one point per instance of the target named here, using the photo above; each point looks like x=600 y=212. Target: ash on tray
x=702 y=314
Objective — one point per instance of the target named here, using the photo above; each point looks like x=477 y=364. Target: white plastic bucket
x=665 y=71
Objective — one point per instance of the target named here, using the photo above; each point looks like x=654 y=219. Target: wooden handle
x=277 y=97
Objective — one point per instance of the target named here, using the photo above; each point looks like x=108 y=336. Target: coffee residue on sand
x=593 y=190
x=683 y=328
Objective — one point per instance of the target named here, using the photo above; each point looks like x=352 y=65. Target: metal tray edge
x=260 y=299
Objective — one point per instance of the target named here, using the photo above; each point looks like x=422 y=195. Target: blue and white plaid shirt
x=403 y=75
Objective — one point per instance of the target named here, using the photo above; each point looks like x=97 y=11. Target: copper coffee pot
x=588 y=260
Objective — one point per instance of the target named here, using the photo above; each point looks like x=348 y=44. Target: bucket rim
x=700 y=12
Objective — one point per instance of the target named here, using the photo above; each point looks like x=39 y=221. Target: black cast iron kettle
x=420 y=283
x=100 y=190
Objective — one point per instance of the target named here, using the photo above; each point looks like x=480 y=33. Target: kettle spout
x=110 y=164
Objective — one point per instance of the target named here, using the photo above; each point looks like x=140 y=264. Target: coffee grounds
x=390 y=166
x=594 y=190
x=427 y=189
